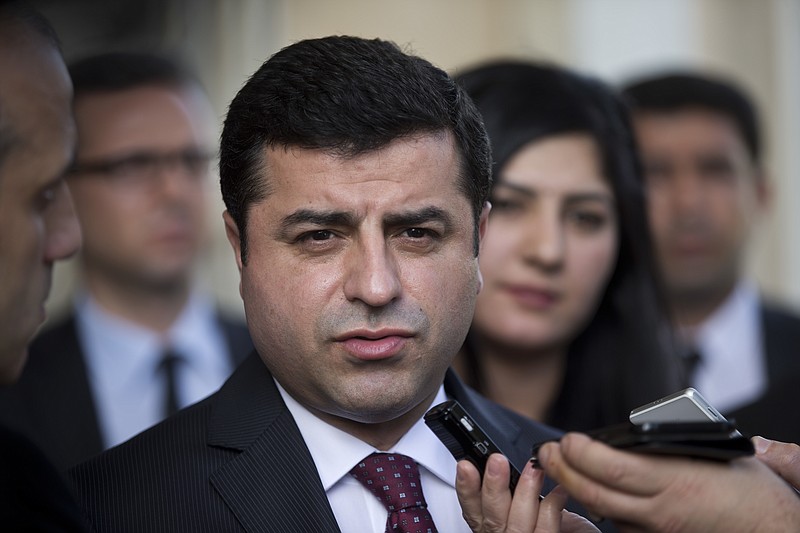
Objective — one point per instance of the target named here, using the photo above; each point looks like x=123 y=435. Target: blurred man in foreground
x=37 y=227
x=143 y=340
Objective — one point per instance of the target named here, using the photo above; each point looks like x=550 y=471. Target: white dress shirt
x=356 y=509
x=122 y=361
x=733 y=370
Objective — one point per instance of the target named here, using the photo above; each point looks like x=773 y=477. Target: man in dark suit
x=37 y=227
x=706 y=187
x=142 y=340
x=355 y=179
x=52 y=403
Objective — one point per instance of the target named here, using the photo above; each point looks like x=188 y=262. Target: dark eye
x=588 y=220
x=47 y=196
x=320 y=235
x=137 y=165
x=657 y=171
x=195 y=162
x=417 y=233
x=716 y=169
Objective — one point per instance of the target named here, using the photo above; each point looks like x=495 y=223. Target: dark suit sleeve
x=52 y=402
x=33 y=495
x=233 y=462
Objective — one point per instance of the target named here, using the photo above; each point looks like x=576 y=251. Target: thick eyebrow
x=419 y=217
x=590 y=197
x=340 y=218
x=315 y=218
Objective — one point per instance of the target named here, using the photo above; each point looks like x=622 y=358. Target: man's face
x=37 y=222
x=361 y=277
x=141 y=194
x=703 y=194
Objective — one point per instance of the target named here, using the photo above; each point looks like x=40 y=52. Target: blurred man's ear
x=764 y=190
x=483 y=224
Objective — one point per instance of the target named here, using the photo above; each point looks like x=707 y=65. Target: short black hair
x=118 y=71
x=674 y=91
x=347 y=96
x=19 y=10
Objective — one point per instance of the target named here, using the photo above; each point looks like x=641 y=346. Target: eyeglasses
x=144 y=169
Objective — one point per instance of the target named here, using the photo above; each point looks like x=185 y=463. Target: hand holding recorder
x=640 y=491
x=486 y=481
x=683 y=424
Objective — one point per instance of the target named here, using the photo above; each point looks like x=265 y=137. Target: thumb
x=782 y=457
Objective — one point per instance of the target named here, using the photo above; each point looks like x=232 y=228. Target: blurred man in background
x=143 y=340
x=706 y=188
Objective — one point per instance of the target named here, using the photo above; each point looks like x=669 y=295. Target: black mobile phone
x=718 y=440
x=463 y=437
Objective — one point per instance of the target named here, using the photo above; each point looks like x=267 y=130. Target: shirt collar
x=335 y=452
x=740 y=309
x=137 y=348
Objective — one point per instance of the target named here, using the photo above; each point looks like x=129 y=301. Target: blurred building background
x=756 y=42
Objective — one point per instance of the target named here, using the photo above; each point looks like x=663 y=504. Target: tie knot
x=692 y=360
x=393 y=478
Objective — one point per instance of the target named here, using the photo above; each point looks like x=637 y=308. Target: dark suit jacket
x=33 y=495
x=776 y=414
x=52 y=402
x=237 y=462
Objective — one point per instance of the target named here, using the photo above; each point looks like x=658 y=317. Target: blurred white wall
x=756 y=42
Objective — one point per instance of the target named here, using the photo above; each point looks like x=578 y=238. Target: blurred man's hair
x=677 y=91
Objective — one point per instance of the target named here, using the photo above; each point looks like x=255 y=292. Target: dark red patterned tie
x=394 y=480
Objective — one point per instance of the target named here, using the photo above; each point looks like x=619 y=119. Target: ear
x=763 y=190
x=483 y=224
x=232 y=232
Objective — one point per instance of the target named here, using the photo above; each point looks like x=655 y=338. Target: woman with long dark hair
x=569 y=327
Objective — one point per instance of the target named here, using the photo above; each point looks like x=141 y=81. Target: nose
x=687 y=197
x=544 y=242
x=63 y=233
x=372 y=274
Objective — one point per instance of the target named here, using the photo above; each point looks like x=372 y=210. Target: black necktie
x=691 y=362
x=168 y=366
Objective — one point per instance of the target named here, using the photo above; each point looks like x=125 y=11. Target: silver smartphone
x=686 y=405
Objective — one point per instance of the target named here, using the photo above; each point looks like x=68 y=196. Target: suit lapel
x=503 y=431
x=781 y=343
x=503 y=428
x=272 y=485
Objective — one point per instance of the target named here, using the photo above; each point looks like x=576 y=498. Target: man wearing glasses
x=143 y=340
